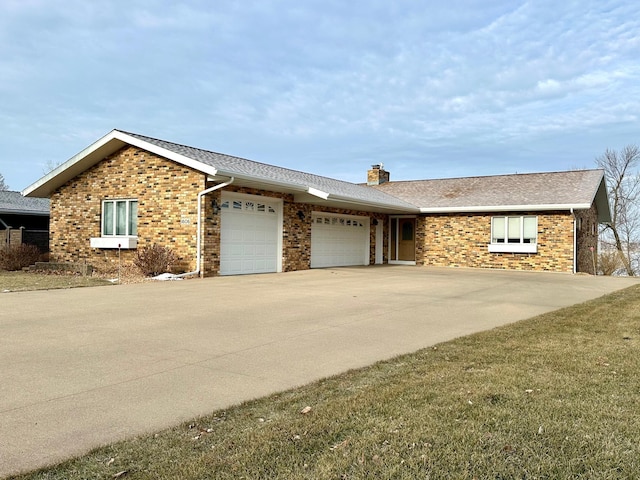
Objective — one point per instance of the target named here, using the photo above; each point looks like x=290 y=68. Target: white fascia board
x=163 y=152
x=601 y=199
x=378 y=205
x=317 y=193
x=283 y=186
x=506 y=208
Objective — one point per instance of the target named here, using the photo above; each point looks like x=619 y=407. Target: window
x=407 y=231
x=120 y=218
x=514 y=234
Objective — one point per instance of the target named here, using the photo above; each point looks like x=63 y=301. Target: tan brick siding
x=462 y=241
x=167 y=209
x=587 y=239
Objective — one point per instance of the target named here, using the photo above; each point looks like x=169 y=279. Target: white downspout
x=575 y=243
x=199 y=233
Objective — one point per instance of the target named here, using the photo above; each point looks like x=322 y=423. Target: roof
x=576 y=189
x=519 y=192
x=306 y=187
x=15 y=203
x=283 y=179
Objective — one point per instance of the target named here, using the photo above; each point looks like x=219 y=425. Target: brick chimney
x=377 y=175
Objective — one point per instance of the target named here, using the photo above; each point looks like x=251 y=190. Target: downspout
x=199 y=234
x=575 y=242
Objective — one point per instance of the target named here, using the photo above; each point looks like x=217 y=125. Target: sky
x=430 y=89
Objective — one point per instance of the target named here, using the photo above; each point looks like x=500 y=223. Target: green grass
x=554 y=397
x=22 y=281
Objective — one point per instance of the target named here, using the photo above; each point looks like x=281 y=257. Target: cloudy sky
x=431 y=89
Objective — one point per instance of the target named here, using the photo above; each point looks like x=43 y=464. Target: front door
x=403 y=240
x=407 y=239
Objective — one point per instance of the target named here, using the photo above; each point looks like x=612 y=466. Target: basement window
x=514 y=234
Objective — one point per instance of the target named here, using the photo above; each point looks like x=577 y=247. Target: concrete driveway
x=84 y=367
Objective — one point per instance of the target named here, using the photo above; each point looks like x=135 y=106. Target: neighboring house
x=227 y=215
x=23 y=220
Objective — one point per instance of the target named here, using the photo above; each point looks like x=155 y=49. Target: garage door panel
x=249 y=236
x=338 y=240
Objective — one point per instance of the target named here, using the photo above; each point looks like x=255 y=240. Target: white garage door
x=249 y=235
x=339 y=240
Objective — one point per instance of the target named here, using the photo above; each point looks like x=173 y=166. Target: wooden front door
x=407 y=239
x=403 y=240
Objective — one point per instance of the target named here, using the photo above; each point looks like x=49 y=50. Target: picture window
x=120 y=218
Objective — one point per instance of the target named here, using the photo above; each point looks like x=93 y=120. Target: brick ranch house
x=224 y=215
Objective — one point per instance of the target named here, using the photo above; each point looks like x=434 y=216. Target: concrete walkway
x=85 y=367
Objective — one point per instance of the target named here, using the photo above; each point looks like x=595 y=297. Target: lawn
x=21 y=281
x=553 y=397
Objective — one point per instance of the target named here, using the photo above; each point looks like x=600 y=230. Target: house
x=24 y=220
x=224 y=215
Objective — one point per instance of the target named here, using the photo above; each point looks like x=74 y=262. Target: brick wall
x=461 y=241
x=167 y=209
x=300 y=241
x=167 y=206
x=296 y=232
x=292 y=232
x=587 y=239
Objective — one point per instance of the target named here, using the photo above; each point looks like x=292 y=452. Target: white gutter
x=318 y=193
x=505 y=208
x=299 y=188
x=199 y=233
x=378 y=205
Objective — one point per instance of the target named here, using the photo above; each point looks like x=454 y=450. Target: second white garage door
x=249 y=234
x=339 y=240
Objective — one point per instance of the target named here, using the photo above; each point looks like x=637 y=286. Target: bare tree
x=50 y=166
x=3 y=184
x=623 y=179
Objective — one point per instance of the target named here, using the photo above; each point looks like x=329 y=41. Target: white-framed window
x=119 y=218
x=514 y=234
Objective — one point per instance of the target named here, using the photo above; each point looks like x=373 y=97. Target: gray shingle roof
x=15 y=203
x=240 y=167
x=534 y=189
x=537 y=191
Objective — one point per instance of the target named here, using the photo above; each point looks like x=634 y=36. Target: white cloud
x=402 y=81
